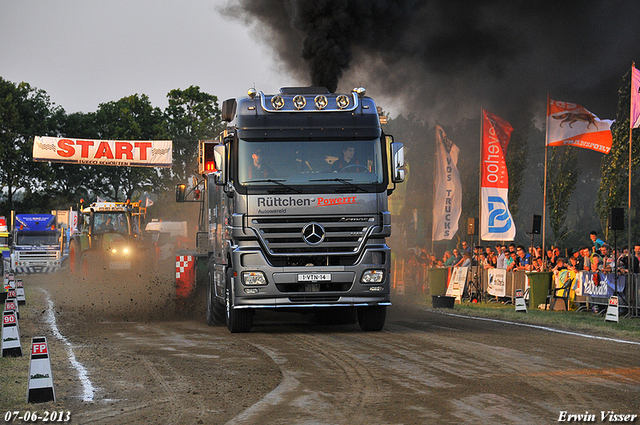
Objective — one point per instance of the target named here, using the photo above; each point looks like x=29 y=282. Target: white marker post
x=40 y=388
x=521 y=305
x=13 y=296
x=20 y=292
x=612 y=310
x=10 y=335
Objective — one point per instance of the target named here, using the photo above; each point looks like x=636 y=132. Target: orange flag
x=569 y=124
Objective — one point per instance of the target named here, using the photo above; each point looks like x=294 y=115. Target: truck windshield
x=310 y=162
x=37 y=238
x=111 y=222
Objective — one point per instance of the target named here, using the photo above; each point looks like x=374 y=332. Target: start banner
x=128 y=153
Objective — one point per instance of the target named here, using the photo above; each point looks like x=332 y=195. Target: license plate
x=314 y=277
x=120 y=265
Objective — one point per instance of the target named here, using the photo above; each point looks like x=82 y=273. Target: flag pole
x=433 y=192
x=480 y=179
x=479 y=226
x=544 y=191
x=629 y=262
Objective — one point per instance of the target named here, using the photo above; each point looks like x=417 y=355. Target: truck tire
x=371 y=319
x=215 y=309
x=238 y=321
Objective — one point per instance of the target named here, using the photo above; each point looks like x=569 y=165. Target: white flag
x=447 y=197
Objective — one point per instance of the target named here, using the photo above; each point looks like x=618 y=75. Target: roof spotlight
x=360 y=91
x=342 y=101
x=277 y=102
x=299 y=102
x=321 y=101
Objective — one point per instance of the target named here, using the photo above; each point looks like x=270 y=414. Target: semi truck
x=294 y=207
x=36 y=244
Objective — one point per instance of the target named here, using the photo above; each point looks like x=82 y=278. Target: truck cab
x=36 y=244
x=296 y=213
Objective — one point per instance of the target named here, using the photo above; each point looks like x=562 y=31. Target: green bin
x=437 y=280
x=539 y=285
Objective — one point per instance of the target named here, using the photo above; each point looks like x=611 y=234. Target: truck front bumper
x=294 y=287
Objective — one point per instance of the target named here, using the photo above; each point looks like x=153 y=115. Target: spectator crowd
x=598 y=256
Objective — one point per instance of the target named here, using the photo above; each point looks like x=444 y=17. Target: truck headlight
x=372 y=276
x=254 y=278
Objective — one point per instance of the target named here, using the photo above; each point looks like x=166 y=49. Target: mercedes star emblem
x=313 y=233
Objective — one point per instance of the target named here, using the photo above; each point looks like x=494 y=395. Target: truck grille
x=314 y=298
x=37 y=255
x=339 y=235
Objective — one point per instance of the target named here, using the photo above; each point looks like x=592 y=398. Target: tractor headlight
x=372 y=276
x=254 y=278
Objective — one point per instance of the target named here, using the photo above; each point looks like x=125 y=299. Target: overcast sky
x=86 y=52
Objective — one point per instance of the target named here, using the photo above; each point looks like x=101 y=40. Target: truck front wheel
x=238 y=321
x=371 y=319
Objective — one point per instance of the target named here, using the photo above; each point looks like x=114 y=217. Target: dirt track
x=149 y=365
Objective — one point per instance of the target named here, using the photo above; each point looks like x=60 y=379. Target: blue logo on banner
x=499 y=213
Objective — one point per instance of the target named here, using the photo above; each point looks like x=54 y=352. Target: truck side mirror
x=220 y=158
x=228 y=112
x=397 y=158
x=180 y=191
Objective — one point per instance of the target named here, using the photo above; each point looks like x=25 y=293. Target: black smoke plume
x=444 y=59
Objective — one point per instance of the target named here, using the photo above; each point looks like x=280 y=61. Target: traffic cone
x=40 y=388
x=10 y=335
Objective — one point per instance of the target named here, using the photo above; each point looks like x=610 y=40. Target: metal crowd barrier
x=477 y=279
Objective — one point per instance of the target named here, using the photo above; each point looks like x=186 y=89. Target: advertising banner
x=601 y=285
x=569 y=124
x=497 y=282
x=458 y=282
x=497 y=223
x=128 y=153
x=447 y=196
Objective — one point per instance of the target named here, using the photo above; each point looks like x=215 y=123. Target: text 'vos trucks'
x=294 y=207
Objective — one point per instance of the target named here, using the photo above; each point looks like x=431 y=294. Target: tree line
x=35 y=187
